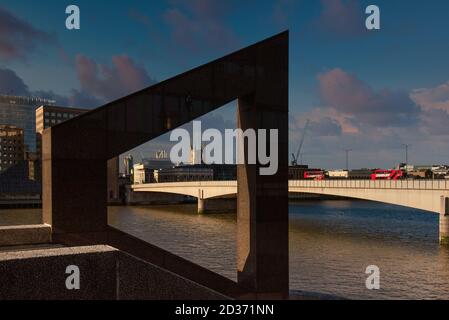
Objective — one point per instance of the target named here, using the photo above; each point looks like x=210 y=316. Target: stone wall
x=105 y=273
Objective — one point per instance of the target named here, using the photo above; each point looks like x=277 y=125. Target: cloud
x=350 y=96
x=18 y=38
x=325 y=127
x=435 y=109
x=435 y=122
x=374 y=123
x=83 y=99
x=432 y=98
x=11 y=83
x=111 y=82
x=374 y=115
x=320 y=124
x=197 y=24
x=99 y=83
x=342 y=18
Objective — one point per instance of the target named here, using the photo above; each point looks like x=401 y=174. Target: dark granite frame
x=76 y=152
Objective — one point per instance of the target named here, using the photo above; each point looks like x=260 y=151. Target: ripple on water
x=331 y=244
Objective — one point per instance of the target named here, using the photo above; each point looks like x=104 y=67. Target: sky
x=368 y=91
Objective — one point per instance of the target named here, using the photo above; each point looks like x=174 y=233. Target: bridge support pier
x=201 y=206
x=444 y=220
x=221 y=205
x=262 y=203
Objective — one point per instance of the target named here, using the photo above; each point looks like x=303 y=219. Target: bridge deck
x=419 y=194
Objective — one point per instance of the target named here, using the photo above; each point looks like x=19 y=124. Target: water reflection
x=331 y=244
x=13 y=217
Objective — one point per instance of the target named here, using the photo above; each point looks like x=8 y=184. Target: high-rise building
x=129 y=163
x=12 y=149
x=20 y=112
x=50 y=115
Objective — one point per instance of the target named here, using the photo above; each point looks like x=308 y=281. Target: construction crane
x=298 y=153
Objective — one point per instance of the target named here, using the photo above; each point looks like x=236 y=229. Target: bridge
x=428 y=195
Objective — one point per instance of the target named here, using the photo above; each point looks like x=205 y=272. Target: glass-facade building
x=21 y=112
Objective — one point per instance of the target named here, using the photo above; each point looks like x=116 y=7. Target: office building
x=128 y=162
x=47 y=116
x=12 y=149
x=141 y=174
x=20 y=112
x=183 y=173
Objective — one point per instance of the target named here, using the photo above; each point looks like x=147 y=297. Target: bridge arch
x=421 y=196
x=431 y=196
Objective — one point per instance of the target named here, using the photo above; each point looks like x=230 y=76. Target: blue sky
x=369 y=91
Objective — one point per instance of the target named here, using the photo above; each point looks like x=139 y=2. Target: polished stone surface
x=76 y=152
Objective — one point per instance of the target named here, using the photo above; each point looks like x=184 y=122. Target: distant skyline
x=369 y=91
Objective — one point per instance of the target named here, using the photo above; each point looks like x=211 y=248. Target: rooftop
x=21 y=100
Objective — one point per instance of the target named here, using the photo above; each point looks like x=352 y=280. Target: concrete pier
x=444 y=221
x=224 y=205
x=201 y=205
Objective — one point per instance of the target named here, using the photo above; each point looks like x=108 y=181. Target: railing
x=348 y=184
x=373 y=184
x=219 y=183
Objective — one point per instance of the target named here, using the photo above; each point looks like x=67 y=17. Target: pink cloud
x=350 y=96
x=110 y=82
x=325 y=122
x=374 y=123
x=432 y=98
x=343 y=90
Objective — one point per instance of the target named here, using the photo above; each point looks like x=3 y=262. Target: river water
x=331 y=244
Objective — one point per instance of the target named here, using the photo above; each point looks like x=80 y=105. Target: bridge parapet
x=373 y=184
x=198 y=189
x=184 y=187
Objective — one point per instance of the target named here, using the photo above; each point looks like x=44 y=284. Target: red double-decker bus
x=386 y=174
x=314 y=175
